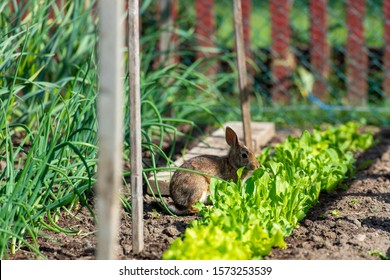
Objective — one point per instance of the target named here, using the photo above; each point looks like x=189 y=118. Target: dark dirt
x=345 y=224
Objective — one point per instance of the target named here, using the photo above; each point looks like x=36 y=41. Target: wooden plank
x=319 y=47
x=215 y=144
x=262 y=133
x=386 y=55
x=283 y=61
x=110 y=102
x=242 y=75
x=135 y=129
x=356 y=54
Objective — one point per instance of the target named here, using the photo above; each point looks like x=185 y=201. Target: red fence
x=356 y=53
x=283 y=58
x=386 y=59
x=319 y=48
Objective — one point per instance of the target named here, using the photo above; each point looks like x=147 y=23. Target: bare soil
x=349 y=223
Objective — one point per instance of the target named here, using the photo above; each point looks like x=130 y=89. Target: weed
x=335 y=213
x=353 y=201
x=379 y=254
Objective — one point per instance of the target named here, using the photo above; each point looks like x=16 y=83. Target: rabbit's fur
x=186 y=188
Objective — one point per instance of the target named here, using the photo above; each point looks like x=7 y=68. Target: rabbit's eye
x=244 y=155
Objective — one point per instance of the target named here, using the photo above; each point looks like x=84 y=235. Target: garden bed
x=345 y=224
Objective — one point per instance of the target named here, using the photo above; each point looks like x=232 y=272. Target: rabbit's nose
x=254 y=165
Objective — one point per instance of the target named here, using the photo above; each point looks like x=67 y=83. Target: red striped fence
x=282 y=57
x=319 y=49
x=386 y=56
x=356 y=53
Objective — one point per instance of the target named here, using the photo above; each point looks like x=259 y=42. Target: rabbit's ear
x=231 y=137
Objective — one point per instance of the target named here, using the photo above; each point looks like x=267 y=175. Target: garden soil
x=348 y=223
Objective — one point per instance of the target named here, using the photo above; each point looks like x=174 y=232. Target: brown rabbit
x=186 y=188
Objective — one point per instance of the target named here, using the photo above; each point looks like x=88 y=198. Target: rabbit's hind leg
x=200 y=194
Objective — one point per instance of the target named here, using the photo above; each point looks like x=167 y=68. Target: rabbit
x=186 y=188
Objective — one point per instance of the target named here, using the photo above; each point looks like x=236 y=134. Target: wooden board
x=215 y=144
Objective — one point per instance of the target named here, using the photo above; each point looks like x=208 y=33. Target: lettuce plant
x=248 y=218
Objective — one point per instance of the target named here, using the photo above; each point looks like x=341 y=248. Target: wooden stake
x=135 y=128
x=242 y=74
x=109 y=178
